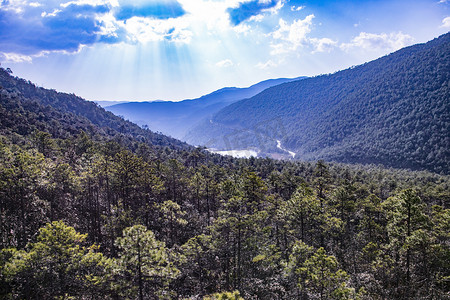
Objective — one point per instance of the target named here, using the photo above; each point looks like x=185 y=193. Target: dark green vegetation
x=92 y=207
x=176 y=118
x=26 y=108
x=393 y=111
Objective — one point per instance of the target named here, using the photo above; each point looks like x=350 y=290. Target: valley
x=332 y=186
x=282 y=149
x=392 y=111
x=176 y=119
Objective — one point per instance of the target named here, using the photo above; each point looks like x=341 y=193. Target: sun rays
x=178 y=49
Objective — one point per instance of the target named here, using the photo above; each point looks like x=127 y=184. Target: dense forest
x=93 y=207
x=393 y=111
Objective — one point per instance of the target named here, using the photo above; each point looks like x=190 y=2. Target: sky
x=145 y=50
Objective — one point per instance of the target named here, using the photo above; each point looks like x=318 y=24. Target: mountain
x=108 y=103
x=95 y=207
x=25 y=108
x=393 y=111
x=176 y=118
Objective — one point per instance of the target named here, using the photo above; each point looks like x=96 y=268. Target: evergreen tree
x=57 y=266
x=145 y=266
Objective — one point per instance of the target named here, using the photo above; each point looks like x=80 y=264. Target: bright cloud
x=225 y=63
x=323 y=44
x=253 y=8
x=154 y=9
x=275 y=9
x=383 y=41
x=189 y=43
x=36 y=27
x=267 y=65
x=140 y=29
x=291 y=36
x=446 y=22
x=297 y=8
x=15 y=58
x=31 y=29
x=112 y=3
x=211 y=14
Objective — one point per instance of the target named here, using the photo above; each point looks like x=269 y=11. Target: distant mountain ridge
x=176 y=118
x=106 y=103
x=393 y=111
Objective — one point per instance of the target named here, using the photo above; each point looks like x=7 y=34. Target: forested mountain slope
x=176 y=118
x=25 y=108
x=393 y=111
x=95 y=209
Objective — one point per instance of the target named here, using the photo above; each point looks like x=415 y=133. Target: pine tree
x=145 y=266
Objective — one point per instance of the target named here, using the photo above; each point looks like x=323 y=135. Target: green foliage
x=27 y=109
x=22 y=211
x=199 y=278
x=413 y=242
x=171 y=219
x=323 y=278
x=224 y=296
x=177 y=222
x=57 y=265
x=145 y=266
x=392 y=111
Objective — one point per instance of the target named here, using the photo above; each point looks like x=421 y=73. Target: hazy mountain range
x=393 y=111
x=176 y=118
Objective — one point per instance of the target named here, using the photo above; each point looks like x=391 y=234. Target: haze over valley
x=177 y=118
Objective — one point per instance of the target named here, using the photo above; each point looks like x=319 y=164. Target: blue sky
x=140 y=50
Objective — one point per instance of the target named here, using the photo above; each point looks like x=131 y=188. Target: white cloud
x=109 y=25
x=15 y=58
x=323 y=44
x=268 y=64
x=16 y=6
x=383 y=41
x=446 y=22
x=203 y=17
x=89 y=2
x=242 y=28
x=274 y=10
x=268 y=11
x=294 y=33
x=257 y=18
x=297 y=8
x=291 y=36
x=140 y=29
x=224 y=63
x=52 y=14
x=212 y=14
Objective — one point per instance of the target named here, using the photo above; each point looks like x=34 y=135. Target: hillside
x=94 y=207
x=25 y=108
x=176 y=118
x=393 y=111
